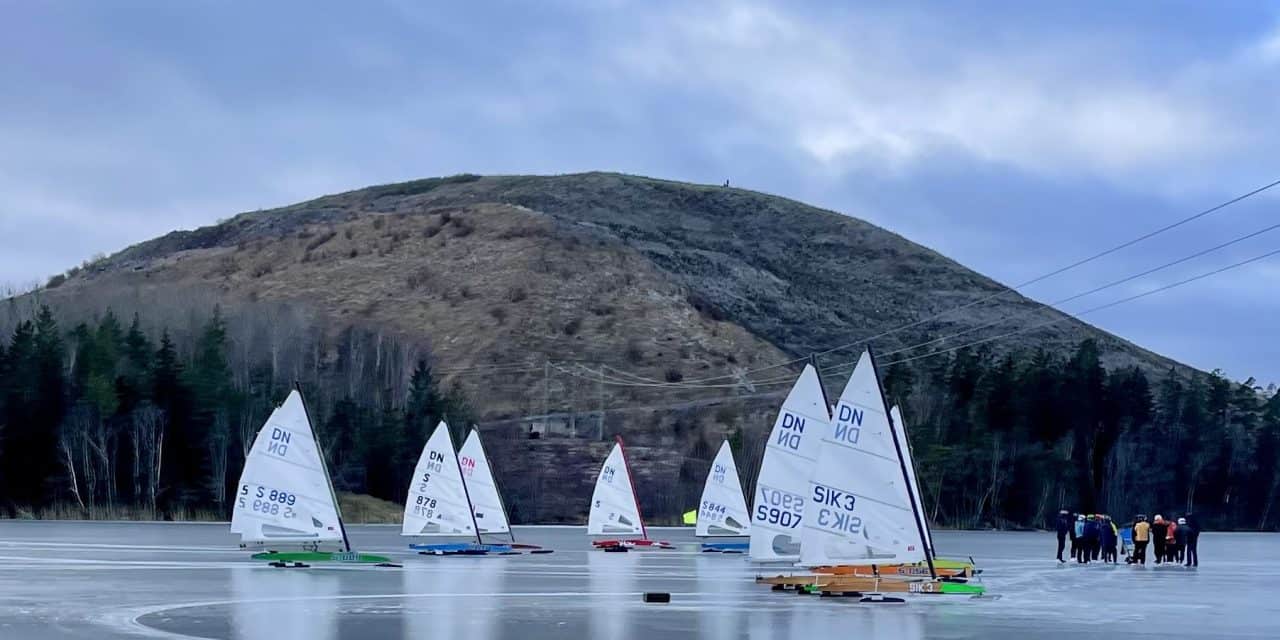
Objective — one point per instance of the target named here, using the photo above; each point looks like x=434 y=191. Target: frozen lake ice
x=162 y=580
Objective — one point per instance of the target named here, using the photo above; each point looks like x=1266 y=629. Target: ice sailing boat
x=722 y=510
x=439 y=504
x=486 y=501
x=859 y=510
x=285 y=498
x=783 y=482
x=615 y=509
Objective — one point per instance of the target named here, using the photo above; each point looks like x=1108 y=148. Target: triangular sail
x=284 y=493
x=613 y=502
x=722 y=511
x=858 y=510
x=783 y=483
x=486 y=502
x=913 y=483
x=437 y=504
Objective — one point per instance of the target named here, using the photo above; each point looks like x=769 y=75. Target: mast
x=324 y=465
x=471 y=509
x=503 y=503
x=928 y=543
x=644 y=533
x=897 y=446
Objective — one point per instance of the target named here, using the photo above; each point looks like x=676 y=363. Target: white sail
x=613 y=502
x=913 y=483
x=486 y=502
x=857 y=509
x=722 y=511
x=783 y=483
x=437 y=504
x=284 y=493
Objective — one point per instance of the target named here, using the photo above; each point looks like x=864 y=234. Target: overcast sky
x=1015 y=138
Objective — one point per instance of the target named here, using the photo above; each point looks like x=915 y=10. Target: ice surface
x=128 y=580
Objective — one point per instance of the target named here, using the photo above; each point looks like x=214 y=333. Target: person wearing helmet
x=1180 y=539
x=1141 y=536
x=1159 y=533
x=1193 y=540
x=1064 y=528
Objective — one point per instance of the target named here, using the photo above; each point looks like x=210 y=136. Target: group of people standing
x=1095 y=537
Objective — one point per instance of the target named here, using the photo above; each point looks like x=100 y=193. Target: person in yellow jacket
x=1141 y=536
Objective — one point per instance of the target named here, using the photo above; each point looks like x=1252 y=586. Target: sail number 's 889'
x=267 y=501
x=779 y=507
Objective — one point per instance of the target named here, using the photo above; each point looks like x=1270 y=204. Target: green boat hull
x=320 y=556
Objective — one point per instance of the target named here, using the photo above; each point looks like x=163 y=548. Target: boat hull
x=725 y=547
x=643 y=543
x=942 y=568
x=320 y=556
x=828 y=584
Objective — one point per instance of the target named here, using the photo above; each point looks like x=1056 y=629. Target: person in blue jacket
x=1107 y=537
x=1077 y=537
x=1090 y=540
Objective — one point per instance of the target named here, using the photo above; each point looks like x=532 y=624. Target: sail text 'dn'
x=848 y=427
x=792 y=430
x=279 y=444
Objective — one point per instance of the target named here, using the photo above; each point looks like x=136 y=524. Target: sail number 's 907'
x=779 y=507
x=268 y=501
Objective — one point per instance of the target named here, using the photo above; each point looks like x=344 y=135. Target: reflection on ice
x=265 y=605
x=611 y=573
x=448 y=614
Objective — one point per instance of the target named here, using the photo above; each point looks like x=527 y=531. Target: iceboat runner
x=487 y=506
x=722 y=509
x=285 y=503
x=946 y=567
x=439 y=503
x=783 y=481
x=859 y=510
x=615 y=509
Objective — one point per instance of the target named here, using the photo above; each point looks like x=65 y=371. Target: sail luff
x=324 y=466
x=626 y=464
x=906 y=474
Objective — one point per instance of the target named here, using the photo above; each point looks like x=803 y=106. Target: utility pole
x=546 y=394
x=600 y=403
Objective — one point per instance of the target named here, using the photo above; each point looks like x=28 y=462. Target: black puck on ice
x=655 y=597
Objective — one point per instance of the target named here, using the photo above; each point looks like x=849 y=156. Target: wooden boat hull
x=828 y=584
x=943 y=568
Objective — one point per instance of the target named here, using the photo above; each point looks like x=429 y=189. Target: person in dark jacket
x=1064 y=529
x=1193 y=541
x=1107 y=537
x=1090 y=540
x=1159 y=530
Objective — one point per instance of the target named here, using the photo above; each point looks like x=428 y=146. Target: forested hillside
x=574 y=308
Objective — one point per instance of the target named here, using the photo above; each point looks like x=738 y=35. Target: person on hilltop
x=1077 y=537
x=1064 y=529
x=1141 y=536
x=1159 y=533
x=1193 y=541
